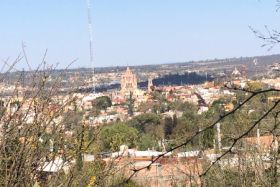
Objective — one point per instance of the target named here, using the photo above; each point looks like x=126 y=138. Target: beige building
x=128 y=82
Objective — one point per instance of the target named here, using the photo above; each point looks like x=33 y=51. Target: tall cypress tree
x=130 y=104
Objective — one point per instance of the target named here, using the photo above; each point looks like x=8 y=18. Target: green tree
x=92 y=174
x=187 y=125
x=168 y=126
x=142 y=121
x=255 y=86
x=207 y=138
x=179 y=105
x=146 y=141
x=130 y=104
x=115 y=135
x=79 y=149
x=102 y=103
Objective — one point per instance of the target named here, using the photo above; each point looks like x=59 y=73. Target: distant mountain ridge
x=248 y=61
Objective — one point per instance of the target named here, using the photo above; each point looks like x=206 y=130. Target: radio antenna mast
x=90 y=42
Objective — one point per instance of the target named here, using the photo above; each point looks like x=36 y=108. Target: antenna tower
x=90 y=42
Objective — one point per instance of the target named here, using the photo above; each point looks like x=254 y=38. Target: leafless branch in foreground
x=221 y=118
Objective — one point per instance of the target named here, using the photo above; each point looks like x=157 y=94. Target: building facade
x=128 y=82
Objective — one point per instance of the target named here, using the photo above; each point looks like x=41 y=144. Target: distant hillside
x=262 y=62
x=257 y=65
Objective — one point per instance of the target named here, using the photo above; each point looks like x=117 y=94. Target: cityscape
x=212 y=122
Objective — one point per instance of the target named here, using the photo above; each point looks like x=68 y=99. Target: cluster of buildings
x=202 y=95
x=178 y=168
x=184 y=167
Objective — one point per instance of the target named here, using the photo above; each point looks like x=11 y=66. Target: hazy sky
x=130 y=32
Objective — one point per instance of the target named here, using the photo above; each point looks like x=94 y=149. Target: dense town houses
x=114 y=106
x=202 y=95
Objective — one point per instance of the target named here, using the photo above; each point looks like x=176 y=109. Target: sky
x=133 y=32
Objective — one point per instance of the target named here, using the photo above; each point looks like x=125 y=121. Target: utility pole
x=219 y=136
x=258 y=138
